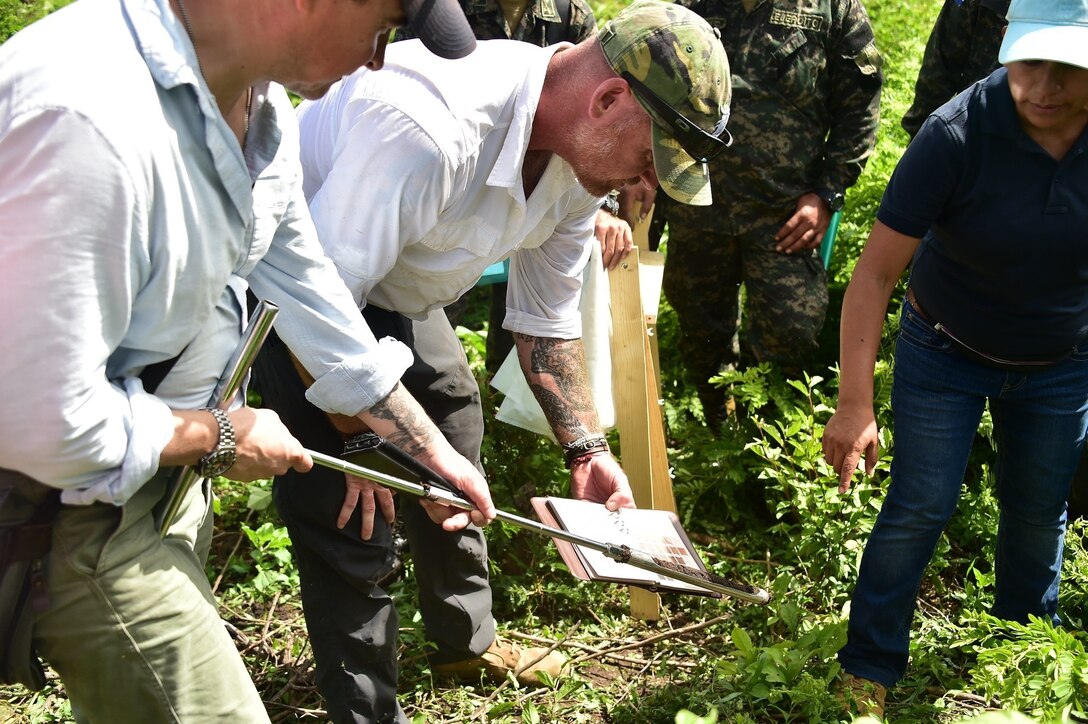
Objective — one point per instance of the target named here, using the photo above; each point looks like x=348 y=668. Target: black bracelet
x=584 y=446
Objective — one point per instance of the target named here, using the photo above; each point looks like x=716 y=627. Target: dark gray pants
x=352 y=622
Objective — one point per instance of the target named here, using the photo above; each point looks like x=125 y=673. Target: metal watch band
x=220 y=459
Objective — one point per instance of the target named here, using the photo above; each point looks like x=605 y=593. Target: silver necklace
x=192 y=39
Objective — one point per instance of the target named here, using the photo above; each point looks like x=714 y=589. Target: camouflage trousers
x=785 y=296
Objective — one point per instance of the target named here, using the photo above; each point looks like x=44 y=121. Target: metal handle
x=622 y=554
x=260 y=324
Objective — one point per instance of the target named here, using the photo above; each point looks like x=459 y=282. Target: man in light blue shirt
x=131 y=231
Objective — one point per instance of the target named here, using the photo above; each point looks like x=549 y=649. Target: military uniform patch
x=869 y=59
x=802 y=21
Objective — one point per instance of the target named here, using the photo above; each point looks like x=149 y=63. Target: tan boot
x=861 y=697
x=502 y=658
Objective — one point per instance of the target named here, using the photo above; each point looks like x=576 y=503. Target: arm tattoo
x=411 y=435
x=558 y=379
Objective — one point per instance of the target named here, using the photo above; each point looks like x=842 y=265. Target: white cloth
x=414 y=180
x=127 y=229
x=519 y=407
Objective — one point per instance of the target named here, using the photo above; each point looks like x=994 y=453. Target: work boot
x=502 y=658
x=862 y=697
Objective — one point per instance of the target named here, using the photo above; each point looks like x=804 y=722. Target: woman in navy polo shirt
x=990 y=204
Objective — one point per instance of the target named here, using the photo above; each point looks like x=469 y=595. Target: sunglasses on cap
x=698 y=144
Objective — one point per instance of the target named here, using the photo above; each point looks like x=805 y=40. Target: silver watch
x=222 y=458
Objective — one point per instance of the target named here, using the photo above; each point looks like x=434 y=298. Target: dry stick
x=321 y=713
x=634 y=679
x=529 y=695
x=758 y=562
x=596 y=651
x=268 y=620
x=283 y=689
x=661 y=637
x=237 y=544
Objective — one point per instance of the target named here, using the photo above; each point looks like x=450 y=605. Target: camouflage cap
x=677 y=57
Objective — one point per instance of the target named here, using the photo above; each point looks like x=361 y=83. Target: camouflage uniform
x=962 y=48
x=806 y=94
x=488 y=22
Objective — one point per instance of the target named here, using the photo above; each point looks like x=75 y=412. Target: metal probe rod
x=260 y=324
x=621 y=554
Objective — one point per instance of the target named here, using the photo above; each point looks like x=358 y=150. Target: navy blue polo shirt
x=1003 y=261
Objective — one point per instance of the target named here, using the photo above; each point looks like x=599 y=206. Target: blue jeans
x=937 y=400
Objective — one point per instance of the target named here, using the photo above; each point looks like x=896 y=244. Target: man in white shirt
x=130 y=232
x=419 y=178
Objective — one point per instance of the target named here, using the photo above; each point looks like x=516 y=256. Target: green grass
x=760 y=505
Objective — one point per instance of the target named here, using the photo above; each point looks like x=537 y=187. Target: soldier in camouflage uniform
x=806 y=82
x=962 y=48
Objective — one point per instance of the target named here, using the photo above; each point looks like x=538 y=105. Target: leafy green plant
x=274 y=567
x=686 y=717
x=1033 y=667
x=758 y=501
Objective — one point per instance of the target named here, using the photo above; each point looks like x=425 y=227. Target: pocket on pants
x=918 y=332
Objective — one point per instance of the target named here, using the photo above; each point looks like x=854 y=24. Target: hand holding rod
x=260 y=324
x=621 y=554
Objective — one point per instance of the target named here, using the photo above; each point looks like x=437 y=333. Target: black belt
x=982 y=357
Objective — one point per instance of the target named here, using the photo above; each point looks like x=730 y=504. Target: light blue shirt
x=130 y=224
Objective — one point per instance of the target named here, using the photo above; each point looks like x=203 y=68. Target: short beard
x=592 y=153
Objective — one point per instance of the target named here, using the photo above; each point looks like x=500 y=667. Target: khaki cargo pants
x=132 y=626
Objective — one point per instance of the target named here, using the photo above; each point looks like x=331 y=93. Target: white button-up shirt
x=414 y=177
x=130 y=222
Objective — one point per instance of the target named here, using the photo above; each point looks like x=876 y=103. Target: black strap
x=559 y=32
x=31 y=539
x=154 y=374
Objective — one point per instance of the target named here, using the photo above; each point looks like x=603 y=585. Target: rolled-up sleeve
x=546 y=281
x=321 y=323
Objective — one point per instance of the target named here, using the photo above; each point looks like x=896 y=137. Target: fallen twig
x=662 y=636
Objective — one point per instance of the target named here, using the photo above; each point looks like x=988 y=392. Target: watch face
x=834 y=200
x=217 y=463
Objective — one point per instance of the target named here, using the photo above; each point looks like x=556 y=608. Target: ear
x=609 y=98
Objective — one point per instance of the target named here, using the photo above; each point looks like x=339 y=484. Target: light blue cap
x=1055 y=30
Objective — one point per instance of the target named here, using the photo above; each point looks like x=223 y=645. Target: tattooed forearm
x=560 y=416
x=556 y=372
x=563 y=361
x=412 y=434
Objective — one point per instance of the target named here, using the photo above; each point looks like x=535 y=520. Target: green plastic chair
x=495 y=273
